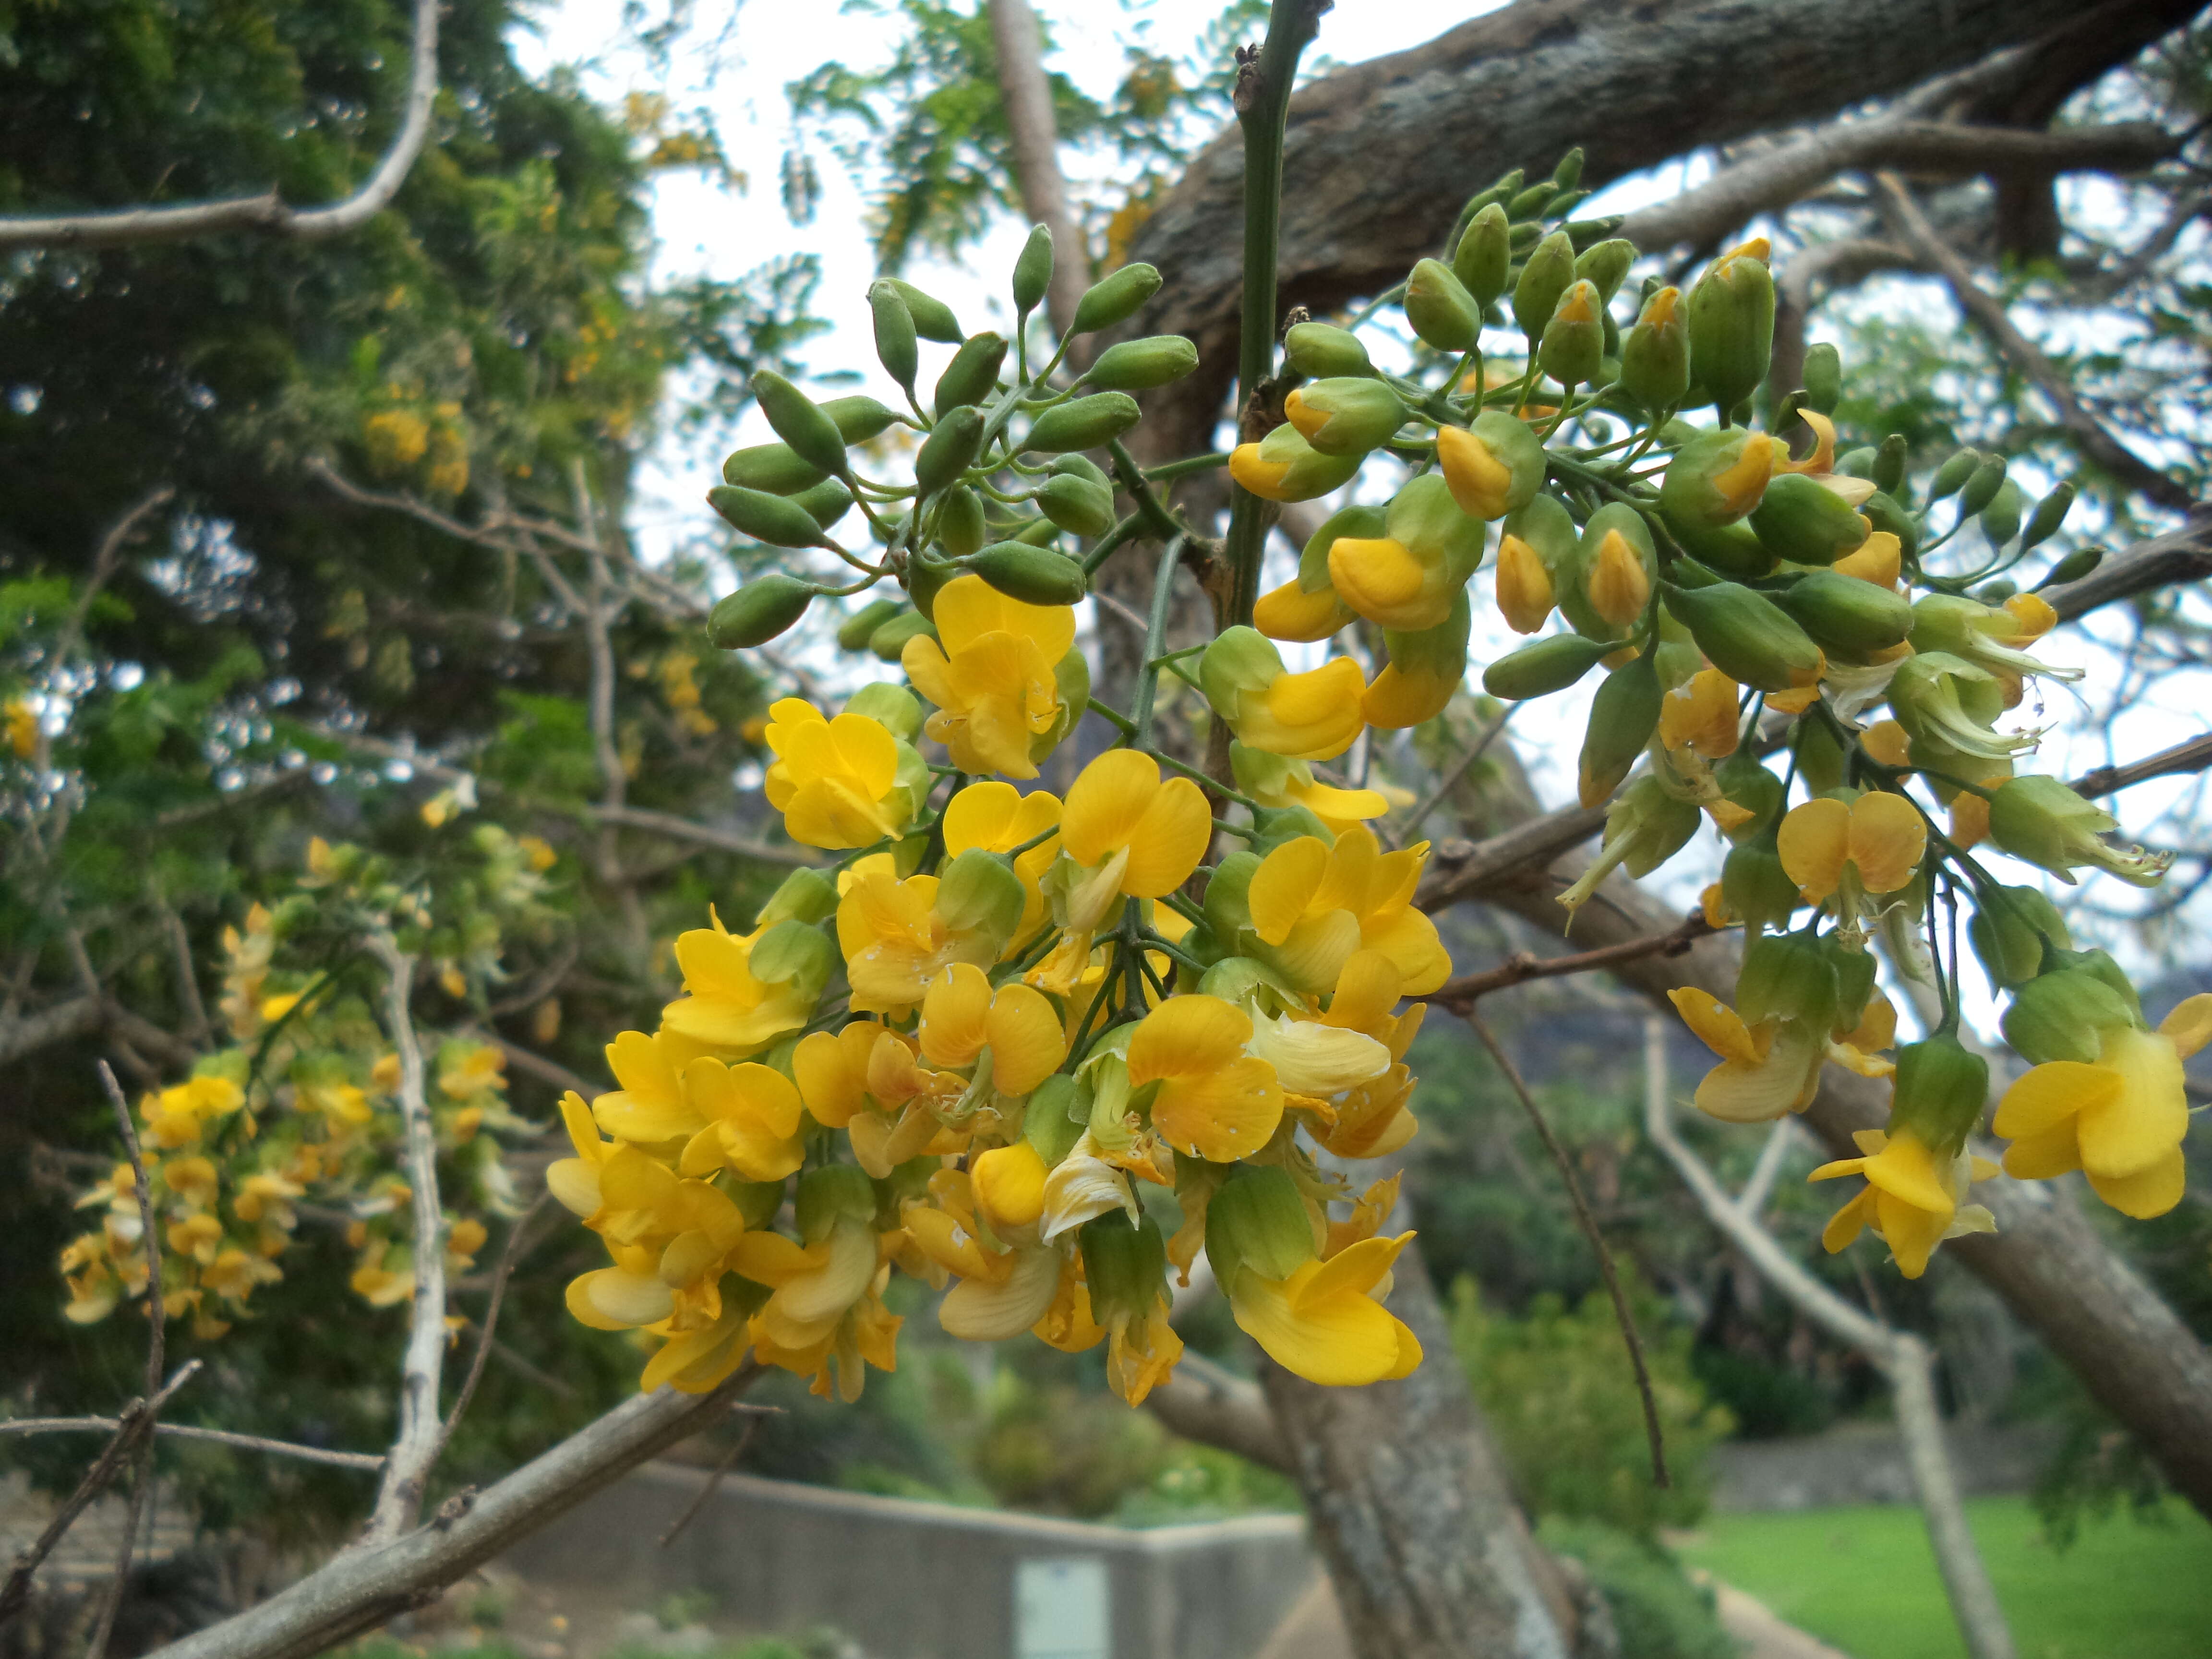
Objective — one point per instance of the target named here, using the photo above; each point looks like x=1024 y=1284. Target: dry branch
x=342 y=1460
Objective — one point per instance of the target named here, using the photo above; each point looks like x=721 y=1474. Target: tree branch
x=1026 y=93
x=2193 y=756
x=266 y=212
x=2173 y=560
x=723 y=840
x=1461 y=994
x=1988 y=313
x=342 y=1460
x=1203 y=1402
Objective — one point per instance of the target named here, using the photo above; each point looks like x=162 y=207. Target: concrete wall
x=1865 y=1464
x=911 y=1580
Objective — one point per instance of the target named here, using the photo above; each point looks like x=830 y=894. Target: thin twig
x=509 y=1253
x=2193 y=756
x=713 y=1482
x=1460 y=994
x=1451 y=774
x=682 y=829
x=156 y=1313
x=342 y=1460
x=1588 y=1222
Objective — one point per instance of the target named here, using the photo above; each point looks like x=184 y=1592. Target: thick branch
x=267 y=213
x=2193 y=756
x=1461 y=994
x=1215 y=1408
x=2177 y=558
x=1026 y=94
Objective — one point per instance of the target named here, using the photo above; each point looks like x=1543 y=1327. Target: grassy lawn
x=1863 y=1579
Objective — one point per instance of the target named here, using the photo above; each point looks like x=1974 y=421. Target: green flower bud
x=779 y=521
x=1034 y=575
x=1033 y=271
x=1227 y=903
x=1125 y=1266
x=1824 y=378
x=1887 y=472
x=2000 y=517
x=891 y=706
x=1575 y=337
x=1605 y=589
x=1883 y=512
x=1439 y=309
x=1789 y=977
x=1485 y=255
x=888 y=642
x=1545 y=665
x=858 y=418
x=894 y=336
x=758 y=611
x=1544 y=278
x=1037 y=532
x=1079 y=466
x=2064 y=1014
x=1818 y=755
x=2050 y=513
x=829 y=1191
x=1807 y=523
x=960 y=527
x=1086 y=424
x=1732 y=550
x=1716 y=478
x=1568 y=172
x=773 y=469
x=1494 y=466
x=793 y=953
x=1845 y=615
x=1284 y=467
x=933 y=318
x=948 y=450
x=1606 y=264
x=2040 y=819
x=1745 y=780
x=860 y=626
x=2080 y=562
x=1746 y=636
x=1732 y=329
x=1322 y=351
x=972 y=374
x=1239 y=660
x=1114 y=298
x=1755 y=886
x=1941 y=1089
x=1655 y=357
x=1140 y=365
x=1346 y=415
x=826 y=502
x=2009 y=930
x=1258 y=1220
x=1952 y=476
x=1622 y=716
x=1361 y=523
x=1054 y=1121
x=1425 y=667
x=1077 y=505
x=1532 y=201
x=800 y=422
x=979 y=896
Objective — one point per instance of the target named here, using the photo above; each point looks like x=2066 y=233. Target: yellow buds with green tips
x=1494 y=466
x=1284 y=467
x=1348 y=416
x=1574 y=340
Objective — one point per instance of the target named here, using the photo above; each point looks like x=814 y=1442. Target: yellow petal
x=1398 y=699
x=2045 y=1155
x=1106 y=803
x=1009 y=1187
x=1848 y=1223
x=1289 y=612
x=1617 y=584
x=2151 y=1191
x=2051 y=1094
x=1525 y=594
x=2130 y=1130
x=1814 y=841
x=1912 y=1232
x=968 y=607
x=981 y=1310
x=1717 y=1025
x=1339 y=1340
x=2189 y=1025
x=612 y=1299
x=1027 y=1040
x=1885 y=741
x=953 y=1015
x=1905 y=1170
x=1170 y=841
x=1879 y=560
x=1390 y=585
x=1285 y=884
x=1888 y=837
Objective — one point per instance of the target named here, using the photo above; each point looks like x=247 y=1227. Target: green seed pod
x=1746 y=636
x=779 y=521
x=1079 y=466
x=1507 y=187
x=1732 y=329
x=895 y=340
x=1982 y=486
x=2082 y=561
x=960 y=529
x=1525 y=235
x=1606 y=264
x=1887 y=472
x=826 y=503
x=1077 y=505
x=1545 y=665
x=1655 y=357
x=1034 y=575
x=800 y=422
x=858 y=418
x=1484 y=255
x=1322 y=351
x=933 y=318
x=1883 y=512
x=1440 y=310
x=1622 y=716
x=1847 y=616
x=1820 y=758
x=1544 y=279
x=1140 y=365
x=758 y=611
x=1033 y=271
x=776 y=468
x=925 y=578
x=972 y=374
x=860 y=627
x=1086 y=424
x=1824 y=378
x=1807 y=523
x=948 y=449
x=1952 y=476
x=1037 y=532
x=1568 y=172
x=2000 y=517
x=889 y=641
x=1532 y=201
x=1114 y=298
x=2050 y=513
x=1574 y=339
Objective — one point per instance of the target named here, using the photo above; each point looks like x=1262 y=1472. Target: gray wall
x=911 y=1580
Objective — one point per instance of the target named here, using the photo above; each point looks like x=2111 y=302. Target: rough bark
x=2090 y=1309
x=1027 y=94
x=1429 y=1554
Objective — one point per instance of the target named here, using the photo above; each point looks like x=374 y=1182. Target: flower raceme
x=849 y=781
x=1002 y=675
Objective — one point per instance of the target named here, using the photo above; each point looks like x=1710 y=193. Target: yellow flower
x=1371 y=1120
x=752 y=1120
x=1313 y=905
x=837 y=782
x=2119 y=1119
x=1325 y=1321
x=1525 y=592
x=964 y=1020
x=1125 y=833
x=1912 y=1197
x=728 y=1007
x=1618 y=586
x=1273 y=780
x=996 y=694
x=1870 y=845
x=1312 y=716
x=1772 y=1065
x=1880 y=559
x=574 y=1182
x=1701 y=714
x=1289 y=612
x=1214 y=1100
x=997 y=818
x=895 y=942
x=22 y=728
x=825 y=1317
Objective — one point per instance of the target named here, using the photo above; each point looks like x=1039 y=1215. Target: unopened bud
x=888 y=643
x=801 y=421
x=1114 y=298
x=1033 y=271
x=1494 y=467
x=758 y=611
x=1574 y=339
x=972 y=374
x=1824 y=378
x=1284 y=467
x=1732 y=326
x=860 y=626
x=948 y=450
x=2010 y=929
x=960 y=527
x=1807 y=523
x=773 y=468
x=1525 y=593
x=779 y=521
x=1078 y=506
x=1543 y=666
x=1439 y=308
x=1034 y=575
x=2080 y=562
x=1345 y=416
x=1622 y=716
x=895 y=333
x=1716 y=478
x=1545 y=277
x=1845 y=616
x=1086 y=424
x=1981 y=485
x=825 y=503
x=1484 y=255
x=1655 y=357
x=2000 y=517
x=1322 y=351
x=1615 y=571
x=1141 y=365
x=1746 y=637
x=933 y=318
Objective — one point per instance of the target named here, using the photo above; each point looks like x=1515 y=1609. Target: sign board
x=1060 y=1610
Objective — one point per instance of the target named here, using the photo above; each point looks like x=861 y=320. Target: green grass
x=1863 y=1579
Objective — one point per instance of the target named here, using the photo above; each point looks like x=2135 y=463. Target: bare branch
x=267 y=213
x=2193 y=756
x=78 y=1017
x=1461 y=994
x=509 y=1254
x=1026 y=94
x=1203 y=1402
x=342 y=1460
x=1460 y=869
x=682 y=829
x=414 y=1446
x=2173 y=560
x=1988 y=313
x=1450 y=777
x=1779 y=176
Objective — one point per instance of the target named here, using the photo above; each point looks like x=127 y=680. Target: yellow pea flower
x=992 y=676
x=1313 y=905
x=824 y=1316
x=728 y=1007
x=895 y=941
x=1525 y=592
x=1911 y=1198
x=1311 y=716
x=1274 y=781
x=1289 y=612
x=1371 y=1119
x=1871 y=845
x=832 y=1071
x=997 y=818
x=1126 y=833
x=752 y=1120
x=963 y=1019
x=650 y=1106
x=1215 y=1100
x=842 y=782
x=1083 y=1185
x=2119 y=1119
x=1323 y=1322
x=1701 y=714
